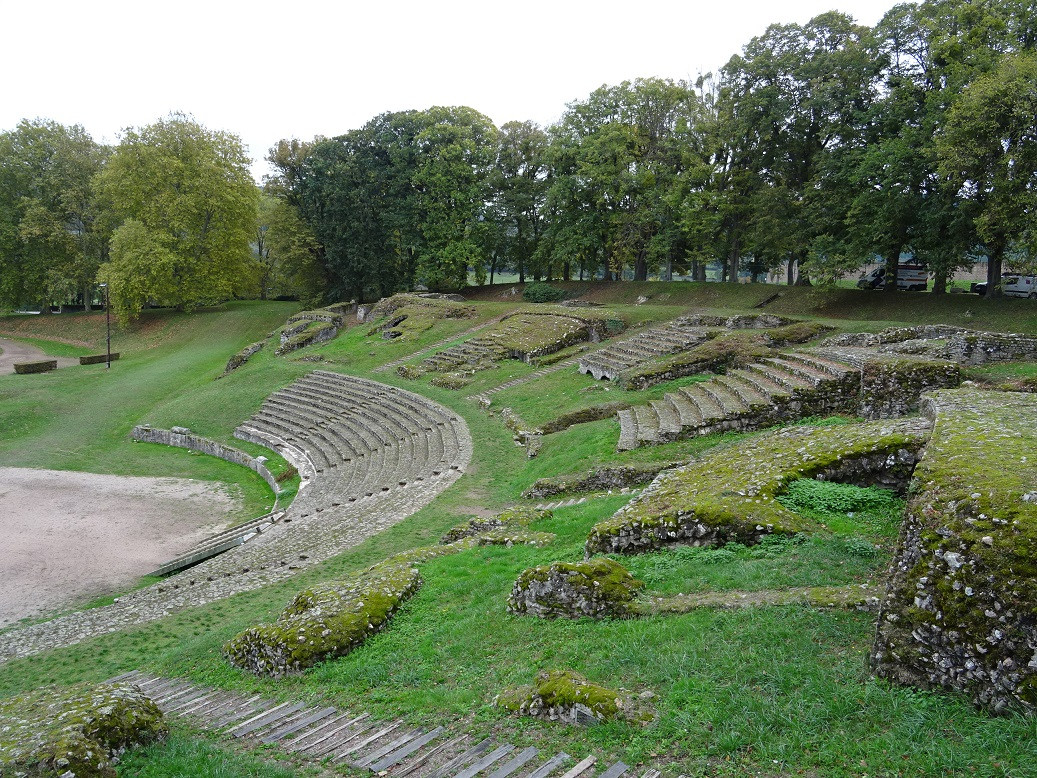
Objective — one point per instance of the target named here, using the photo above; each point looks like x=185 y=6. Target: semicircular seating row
x=352 y=438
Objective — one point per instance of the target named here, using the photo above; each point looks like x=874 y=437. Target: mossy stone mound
x=332 y=619
x=961 y=608
x=74 y=732
x=731 y=494
x=598 y=588
x=562 y=695
x=324 y=621
x=507 y=528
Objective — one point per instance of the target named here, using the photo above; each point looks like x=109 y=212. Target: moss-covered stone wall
x=731 y=494
x=961 y=608
x=600 y=479
x=74 y=732
x=893 y=387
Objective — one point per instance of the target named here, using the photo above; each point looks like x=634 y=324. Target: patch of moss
x=731 y=494
x=75 y=731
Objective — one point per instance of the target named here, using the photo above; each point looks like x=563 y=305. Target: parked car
x=1012 y=285
x=911 y=277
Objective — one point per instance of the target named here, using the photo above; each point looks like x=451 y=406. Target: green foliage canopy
x=183 y=207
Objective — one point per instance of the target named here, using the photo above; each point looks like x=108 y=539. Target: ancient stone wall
x=181 y=437
x=960 y=611
x=893 y=387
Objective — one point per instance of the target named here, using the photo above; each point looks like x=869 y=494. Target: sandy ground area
x=12 y=351
x=66 y=537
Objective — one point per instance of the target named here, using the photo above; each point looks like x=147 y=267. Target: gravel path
x=12 y=351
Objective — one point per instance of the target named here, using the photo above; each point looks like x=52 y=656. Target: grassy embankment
x=777 y=690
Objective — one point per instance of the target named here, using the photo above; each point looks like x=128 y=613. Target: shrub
x=540 y=292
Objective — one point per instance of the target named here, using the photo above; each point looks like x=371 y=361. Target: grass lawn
x=763 y=691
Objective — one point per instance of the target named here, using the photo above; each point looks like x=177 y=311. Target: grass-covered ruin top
x=737 y=489
x=961 y=611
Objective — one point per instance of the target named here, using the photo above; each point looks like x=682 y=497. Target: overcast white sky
x=300 y=68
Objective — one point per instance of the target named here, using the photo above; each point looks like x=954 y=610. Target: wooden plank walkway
x=318 y=733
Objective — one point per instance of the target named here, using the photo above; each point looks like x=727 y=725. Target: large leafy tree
x=51 y=243
x=990 y=148
x=797 y=91
x=183 y=205
x=518 y=185
x=616 y=159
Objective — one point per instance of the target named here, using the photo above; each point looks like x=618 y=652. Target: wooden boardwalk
x=330 y=735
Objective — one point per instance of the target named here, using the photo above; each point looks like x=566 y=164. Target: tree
x=183 y=194
x=797 y=91
x=989 y=148
x=50 y=241
x=519 y=184
x=616 y=158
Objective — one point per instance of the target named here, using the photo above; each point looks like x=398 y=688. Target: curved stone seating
x=671 y=338
x=340 y=505
x=771 y=390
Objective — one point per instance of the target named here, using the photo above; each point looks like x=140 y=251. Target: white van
x=910 y=277
x=1012 y=285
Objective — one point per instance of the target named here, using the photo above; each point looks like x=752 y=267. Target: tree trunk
x=791 y=268
x=641 y=267
x=87 y=302
x=45 y=308
x=995 y=259
x=893 y=267
x=565 y=271
x=668 y=273
x=940 y=281
x=733 y=257
x=801 y=278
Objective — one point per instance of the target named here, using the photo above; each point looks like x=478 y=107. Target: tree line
x=818 y=148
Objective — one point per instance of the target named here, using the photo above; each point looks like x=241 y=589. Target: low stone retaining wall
x=243 y=356
x=41 y=366
x=182 y=437
x=97 y=359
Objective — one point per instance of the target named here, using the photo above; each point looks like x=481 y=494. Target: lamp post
x=108 y=328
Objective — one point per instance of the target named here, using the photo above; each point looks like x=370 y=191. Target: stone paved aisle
x=332 y=736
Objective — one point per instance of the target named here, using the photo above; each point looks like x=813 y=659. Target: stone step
x=669 y=421
x=394 y=757
x=647 y=423
x=820 y=363
x=550 y=765
x=581 y=767
x=461 y=759
x=627 y=431
x=615 y=771
x=515 y=763
x=731 y=403
x=687 y=411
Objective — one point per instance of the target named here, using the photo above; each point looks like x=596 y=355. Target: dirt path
x=70 y=536
x=12 y=351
